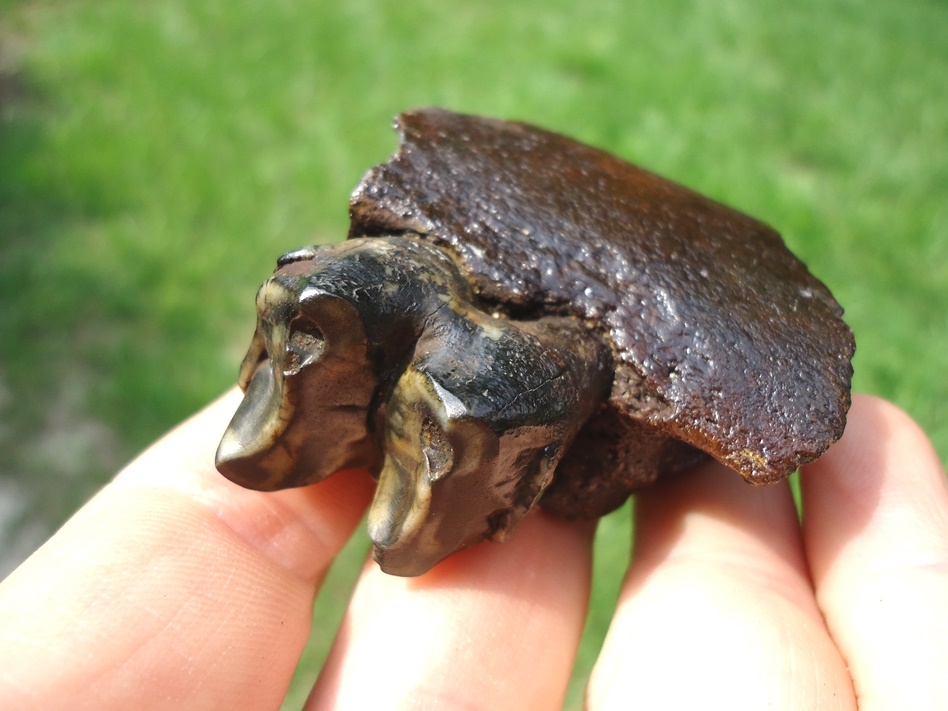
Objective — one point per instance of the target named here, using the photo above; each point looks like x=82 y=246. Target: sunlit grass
x=155 y=158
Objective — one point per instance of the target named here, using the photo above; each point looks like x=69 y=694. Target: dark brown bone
x=723 y=338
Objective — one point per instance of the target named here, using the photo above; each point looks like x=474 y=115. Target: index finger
x=173 y=584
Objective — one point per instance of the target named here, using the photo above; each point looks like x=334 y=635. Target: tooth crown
x=463 y=415
x=475 y=427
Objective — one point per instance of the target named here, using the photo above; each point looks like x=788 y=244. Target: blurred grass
x=156 y=157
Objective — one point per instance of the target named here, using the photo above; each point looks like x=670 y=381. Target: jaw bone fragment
x=518 y=318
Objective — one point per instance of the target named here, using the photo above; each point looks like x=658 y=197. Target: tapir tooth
x=259 y=422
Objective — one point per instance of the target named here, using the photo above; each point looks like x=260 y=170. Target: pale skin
x=174 y=588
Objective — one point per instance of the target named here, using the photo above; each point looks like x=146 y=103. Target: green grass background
x=156 y=157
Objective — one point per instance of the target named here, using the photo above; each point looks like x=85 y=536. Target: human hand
x=174 y=588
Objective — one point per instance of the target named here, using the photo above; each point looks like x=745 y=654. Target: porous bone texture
x=723 y=339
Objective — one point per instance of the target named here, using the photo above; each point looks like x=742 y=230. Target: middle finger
x=494 y=626
x=718 y=604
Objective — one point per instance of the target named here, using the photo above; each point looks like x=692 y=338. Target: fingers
x=494 y=627
x=717 y=608
x=876 y=532
x=173 y=585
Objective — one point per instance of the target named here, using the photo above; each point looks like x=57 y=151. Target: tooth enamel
x=453 y=407
x=261 y=418
x=400 y=505
x=402 y=499
x=466 y=439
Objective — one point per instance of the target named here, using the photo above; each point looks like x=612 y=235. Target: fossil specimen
x=518 y=318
